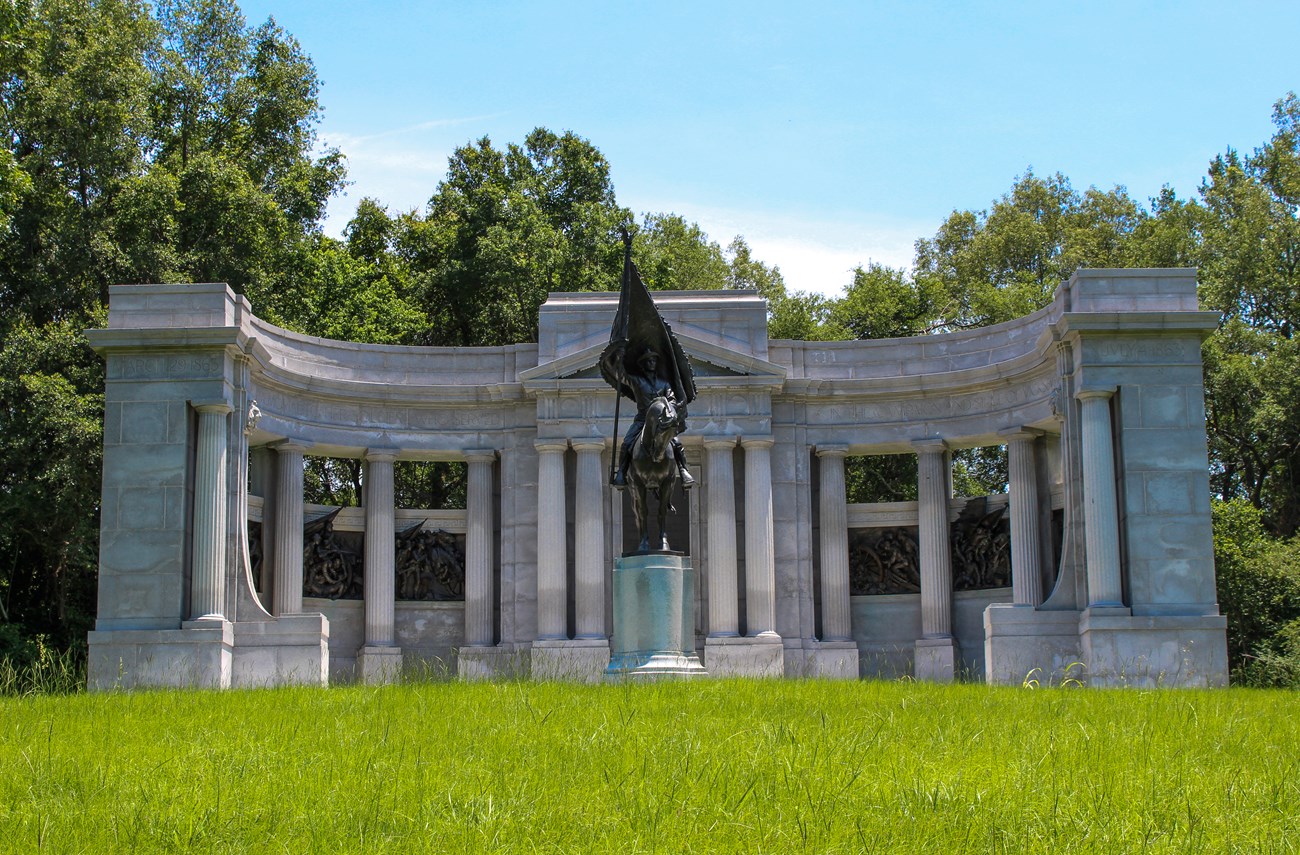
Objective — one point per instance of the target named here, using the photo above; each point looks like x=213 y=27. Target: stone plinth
x=935 y=660
x=290 y=650
x=1022 y=643
x=833 y=660
x=196 y=656
x=654 y=618
x=1122 y=649
x=493 y=663
x=580 y=660
x=745 y=656
x=377 y=665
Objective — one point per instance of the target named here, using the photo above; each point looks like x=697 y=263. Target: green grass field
x=712 y=766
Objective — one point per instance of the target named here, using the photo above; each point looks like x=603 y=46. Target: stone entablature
x=1097 y=397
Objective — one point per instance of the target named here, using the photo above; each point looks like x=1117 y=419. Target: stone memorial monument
x=215 y=571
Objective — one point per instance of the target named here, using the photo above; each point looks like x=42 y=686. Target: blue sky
x=828 y=134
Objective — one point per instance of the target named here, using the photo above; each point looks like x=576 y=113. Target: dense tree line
x=179 y=144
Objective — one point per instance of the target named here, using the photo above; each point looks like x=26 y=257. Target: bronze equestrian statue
x=645 y=363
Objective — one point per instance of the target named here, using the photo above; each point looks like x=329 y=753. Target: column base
x=745 y=656
x=935 y=660
x=1025 y=646
x=492 y=663
x=291 y=650
x=198 y=655
x=1122 y=649
x=582 y=660
x=836 y=660
x=379 y=665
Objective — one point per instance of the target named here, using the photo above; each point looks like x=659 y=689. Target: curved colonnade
x=1096 y=397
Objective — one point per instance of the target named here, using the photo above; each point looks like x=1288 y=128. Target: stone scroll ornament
x=645 y=363
x=430 y=564
x=331 y=560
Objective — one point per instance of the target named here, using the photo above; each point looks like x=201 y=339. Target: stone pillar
x=760 y=652
x=1100 y=509
x=287 y=597
x=589 y=539
x=1026 y=570
x=760 y=546
x=380 y=660
x=935 y=651
x=834 y=544
x=724 y=620
x=208 y=583
x=479 y=629
x=552 y=552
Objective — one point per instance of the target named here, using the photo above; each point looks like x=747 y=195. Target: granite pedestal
x=654 y=618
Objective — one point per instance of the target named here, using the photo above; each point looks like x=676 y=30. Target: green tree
x=676 y=255
x=507 y=227
x=1003 y=263
x=1250 y=274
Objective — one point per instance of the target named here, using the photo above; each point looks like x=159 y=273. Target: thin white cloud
x=816 y=254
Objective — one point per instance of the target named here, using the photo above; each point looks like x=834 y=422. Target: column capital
x=760 y=441
x=551 y=445
x=480 y=455
x=1103 y=392
x=930 y=445
x=719 y=441
x=380 y=455
x=218 y=405
x=834 y=449
x=1011 y=434
x=290 y=446
x=588 y=443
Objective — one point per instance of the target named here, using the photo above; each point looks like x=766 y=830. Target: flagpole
x=613 y=457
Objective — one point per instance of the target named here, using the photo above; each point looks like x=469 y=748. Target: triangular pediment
x=708 y=361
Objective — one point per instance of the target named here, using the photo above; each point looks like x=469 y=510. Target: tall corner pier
x=217 y=570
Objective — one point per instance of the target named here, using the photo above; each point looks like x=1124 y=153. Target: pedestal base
x=1122 y=649
x=654 y=618
x=198 y=655
x=745 y=656
x=378 y=665
x=283 y=651
x=935 y=660
x=837 y=660
x=492 y=663
x=1026 y=646
x=581 y=660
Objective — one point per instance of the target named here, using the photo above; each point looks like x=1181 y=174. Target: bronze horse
x=653 y=467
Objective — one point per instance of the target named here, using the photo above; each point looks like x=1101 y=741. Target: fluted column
x=479 y=624
x=760 y=546
x=207 y=585
x=834 y=544
x=724 y=616
x=1100 y=508
x=552 y=546
x=287 y=599
x=1026 y=576
x=933 y=491
x=589 y=539
x=380 y=577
